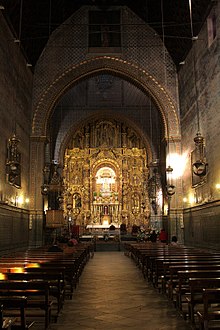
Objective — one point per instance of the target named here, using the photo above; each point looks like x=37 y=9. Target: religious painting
x=104 y=28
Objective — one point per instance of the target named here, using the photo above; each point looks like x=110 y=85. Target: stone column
x=37 y=147
x=176 y=202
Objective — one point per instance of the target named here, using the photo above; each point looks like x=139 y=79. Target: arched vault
x=127 y=70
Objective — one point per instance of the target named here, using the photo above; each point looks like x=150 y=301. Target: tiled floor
x=113 y=295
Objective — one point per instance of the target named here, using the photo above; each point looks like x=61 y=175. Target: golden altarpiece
x=106 y=176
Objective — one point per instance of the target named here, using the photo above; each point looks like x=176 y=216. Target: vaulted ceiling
x=33 y=21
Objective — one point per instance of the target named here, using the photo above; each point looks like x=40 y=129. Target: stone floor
x=113 y=295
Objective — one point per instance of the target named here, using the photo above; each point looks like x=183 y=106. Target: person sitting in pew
x=153 y=236
x=163 y=237
x=73 y=240
x=174 y=241
x=69 y=247
x=55 y=247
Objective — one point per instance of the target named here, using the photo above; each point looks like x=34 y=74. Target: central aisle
x=113 y=295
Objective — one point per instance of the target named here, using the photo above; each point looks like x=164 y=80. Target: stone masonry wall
x=15 y=117
x=68 y=46
x=205 y=84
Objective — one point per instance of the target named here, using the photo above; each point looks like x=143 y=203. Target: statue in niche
x=105 y=210
x=136 y=202
x=77 y=200
x=105 y=35
x=76 y=179
x=78 y=140
x=55 y=179
x=105 y=134
x=135 y=180
x=132 y=138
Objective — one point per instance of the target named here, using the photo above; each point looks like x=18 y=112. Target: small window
x=104 y=29
x=211 y=26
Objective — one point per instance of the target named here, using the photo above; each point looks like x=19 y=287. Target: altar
x=102 y=190
x=102 y=227
x=103 y=231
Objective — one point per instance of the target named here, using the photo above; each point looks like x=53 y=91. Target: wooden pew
x=170 y=268
x=182 y=291
x=151 y=260
x=195 y=298
x=37 y=293
x=186 y=269
x=60 y=278
x=55 y=280
x=158 y=269
x=16 y=306
x=150 y=257
x=210 y=314
x=72 y=263
x=73 y=270
x=5 y=322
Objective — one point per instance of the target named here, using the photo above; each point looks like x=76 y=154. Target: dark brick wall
x=15 y=117
x=14 y=228
x=199 y=95
x=202 y=226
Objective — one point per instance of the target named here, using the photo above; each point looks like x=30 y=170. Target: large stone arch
x=52 y=94
x=115 y=65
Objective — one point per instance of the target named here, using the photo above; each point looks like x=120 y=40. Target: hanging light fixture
x=170 y=188
x=200 y=165
x=154 y=183
x=170 y=185
x=46 y=177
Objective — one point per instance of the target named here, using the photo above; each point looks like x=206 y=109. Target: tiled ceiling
x=33 y=21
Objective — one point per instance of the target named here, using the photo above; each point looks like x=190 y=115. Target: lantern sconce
x=46 y=174
x=170 y=190
x=170 y=186
x=199 y=166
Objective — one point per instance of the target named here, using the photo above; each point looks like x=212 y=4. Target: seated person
x=55 y=248
x=153 y=236
x=174 y=241
x=112 y=227
x=163 y=237
x=70 y=247
x=73 y=240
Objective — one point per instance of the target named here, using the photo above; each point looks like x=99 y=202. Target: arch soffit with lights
x=129 y=71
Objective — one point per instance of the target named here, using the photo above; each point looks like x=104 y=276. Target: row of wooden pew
x=34 y=285
x=189 y=277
